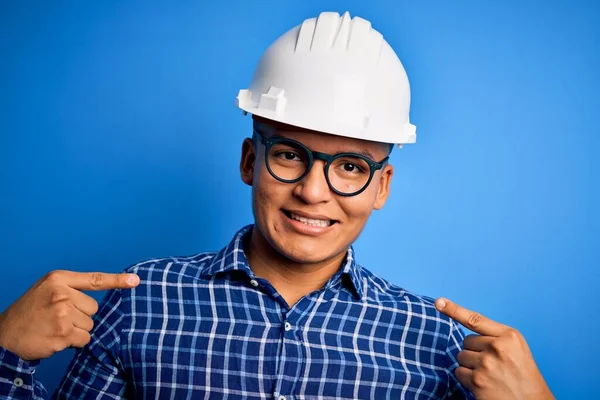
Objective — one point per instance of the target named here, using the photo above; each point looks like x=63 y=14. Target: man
x=283 y=311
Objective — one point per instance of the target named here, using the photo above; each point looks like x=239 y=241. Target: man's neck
x=291 y=279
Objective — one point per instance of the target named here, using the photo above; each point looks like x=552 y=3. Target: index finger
x=98 y=280
x=470 y=319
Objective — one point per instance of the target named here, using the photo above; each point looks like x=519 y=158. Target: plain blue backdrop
x=120 y=142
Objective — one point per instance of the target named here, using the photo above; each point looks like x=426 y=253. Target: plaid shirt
x=206 y=327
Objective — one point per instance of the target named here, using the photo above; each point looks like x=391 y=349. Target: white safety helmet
x=335 y=75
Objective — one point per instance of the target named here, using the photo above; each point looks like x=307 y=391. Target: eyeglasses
x=289 y=161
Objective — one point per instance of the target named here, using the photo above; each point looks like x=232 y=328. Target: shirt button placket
x=293 y=355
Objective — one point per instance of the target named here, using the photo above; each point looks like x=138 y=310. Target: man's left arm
x=497 y=363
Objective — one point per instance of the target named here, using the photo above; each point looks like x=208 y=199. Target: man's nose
x=313 y=188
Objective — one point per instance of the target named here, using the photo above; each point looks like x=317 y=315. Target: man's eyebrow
x=362 y=151
x=366 y=153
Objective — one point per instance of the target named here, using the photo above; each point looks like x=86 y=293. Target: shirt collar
x=232 y=258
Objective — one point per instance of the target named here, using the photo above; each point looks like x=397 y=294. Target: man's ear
x=247 y=161
x=383 y=191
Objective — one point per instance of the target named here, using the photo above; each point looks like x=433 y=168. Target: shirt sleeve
x=17 y=380
x=455 y=344
x=96 y=371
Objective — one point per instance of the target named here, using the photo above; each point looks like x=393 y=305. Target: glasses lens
x=349 y=174
x=287 y=160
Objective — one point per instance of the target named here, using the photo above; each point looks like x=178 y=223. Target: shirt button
x=281 y=397
x=288 y=327
x=18 y=382
x=254 y=283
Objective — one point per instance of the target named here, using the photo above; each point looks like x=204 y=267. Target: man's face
x=278 y=206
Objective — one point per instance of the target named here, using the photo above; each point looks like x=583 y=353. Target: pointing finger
x=95 y=280
x=470 y=319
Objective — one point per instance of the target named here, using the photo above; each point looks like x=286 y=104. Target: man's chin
x=299 y=248
x=312 y=253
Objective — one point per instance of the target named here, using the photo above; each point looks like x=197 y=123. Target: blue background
x=119 y=142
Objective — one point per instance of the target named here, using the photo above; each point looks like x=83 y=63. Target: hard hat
x=333 y=74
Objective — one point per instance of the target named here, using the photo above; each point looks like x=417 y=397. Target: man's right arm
x=51 y=316
x=16 y=378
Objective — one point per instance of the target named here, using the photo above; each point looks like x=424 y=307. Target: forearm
x=17 y=380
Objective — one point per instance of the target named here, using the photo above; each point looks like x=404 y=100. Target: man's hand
x=53 y=314
x=497 y=363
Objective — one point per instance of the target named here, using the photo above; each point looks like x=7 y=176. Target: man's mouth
x=322 y=223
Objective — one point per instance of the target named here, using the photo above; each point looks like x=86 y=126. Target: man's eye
x=287 y=156
x=349 y=167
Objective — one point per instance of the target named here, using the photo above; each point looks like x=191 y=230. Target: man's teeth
x=312 y=222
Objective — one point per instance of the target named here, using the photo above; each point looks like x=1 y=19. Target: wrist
x=542 y=392
x=548 y=395
x=5 y=342
x=2 y=335
x=15 y=363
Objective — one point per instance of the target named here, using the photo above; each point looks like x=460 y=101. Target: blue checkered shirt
x=206 y=327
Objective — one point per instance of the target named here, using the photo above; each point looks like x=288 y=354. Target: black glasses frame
x=374 y=166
